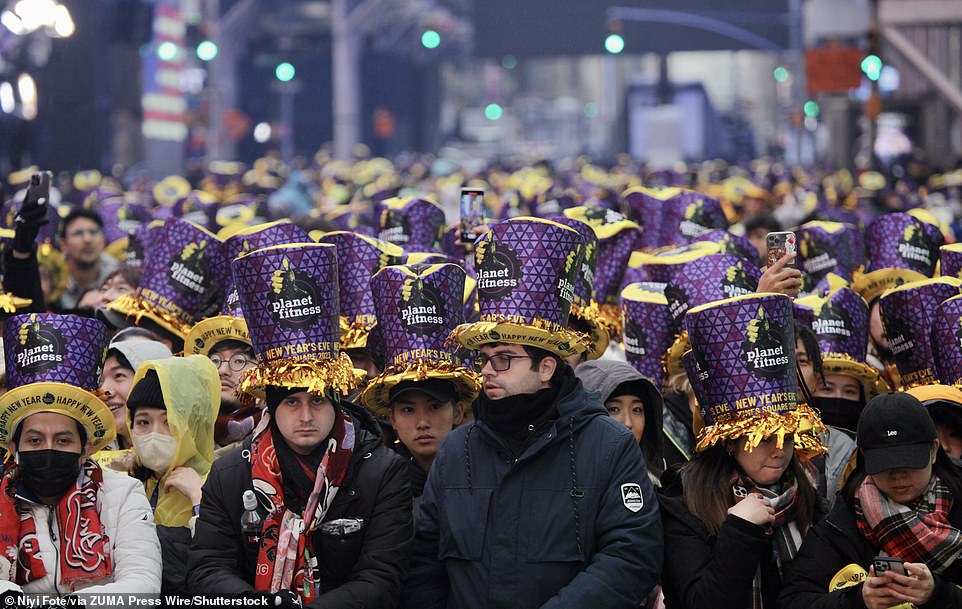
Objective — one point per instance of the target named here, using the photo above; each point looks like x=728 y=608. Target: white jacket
x=135 y=550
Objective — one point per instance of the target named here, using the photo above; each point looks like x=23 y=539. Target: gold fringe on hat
x=598 y=331
x=316 y=376
x=537 y=333
x=354 y=332
x=802 y=423
x=139 y=308
x=376 y=396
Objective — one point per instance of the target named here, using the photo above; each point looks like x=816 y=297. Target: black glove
x=33 y=212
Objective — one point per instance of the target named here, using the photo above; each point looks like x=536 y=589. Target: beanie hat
x=146 y=393
x=136 y=352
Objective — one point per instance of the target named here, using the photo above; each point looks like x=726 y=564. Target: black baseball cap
x=895 y=431
x=439 y=389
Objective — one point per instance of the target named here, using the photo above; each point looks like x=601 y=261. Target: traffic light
x=430 y=39
x=167 y=50
x=493 y=112
x=614 y=44
x=206 y=50
x=284 y=72
x=811 y=108
x=872 y=66
x=780 y=74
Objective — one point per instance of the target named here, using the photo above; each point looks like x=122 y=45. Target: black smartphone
x=888 y=563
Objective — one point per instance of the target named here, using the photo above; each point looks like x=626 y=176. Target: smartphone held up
x=780 y=244
x=472 y=213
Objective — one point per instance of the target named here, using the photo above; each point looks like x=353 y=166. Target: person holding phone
x=895 y=533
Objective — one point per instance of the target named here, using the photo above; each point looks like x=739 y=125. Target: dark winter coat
x=605 y=376
x=357 y=569
x=835 y=543
x=21 y=277
x=704 y=570
x=563 y=525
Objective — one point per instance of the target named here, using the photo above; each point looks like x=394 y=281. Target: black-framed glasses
x=237 y=363
x=499 y=361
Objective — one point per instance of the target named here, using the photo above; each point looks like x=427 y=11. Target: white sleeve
x=136 y=549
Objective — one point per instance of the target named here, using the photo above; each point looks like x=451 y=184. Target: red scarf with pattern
x=284 y=560
x=84 y=546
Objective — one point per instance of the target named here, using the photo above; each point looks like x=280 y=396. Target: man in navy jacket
x=544 y=501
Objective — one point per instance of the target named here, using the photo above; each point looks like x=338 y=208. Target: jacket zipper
x=56 y=550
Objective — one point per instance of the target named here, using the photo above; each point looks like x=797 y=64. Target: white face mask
x=156 y=451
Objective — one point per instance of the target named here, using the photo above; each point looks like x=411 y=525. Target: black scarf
x=517 y=418
x=297 y=471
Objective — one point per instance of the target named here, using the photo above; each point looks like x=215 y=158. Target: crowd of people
x=303 y=386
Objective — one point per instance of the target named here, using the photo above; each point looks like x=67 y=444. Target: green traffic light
x=206 y=50
x=493 y=112
x=284 y=72
x=872 y=66
x=167 y=50
x=430 y=39
x=811 y=108
x=614 y=44
x=780 y=74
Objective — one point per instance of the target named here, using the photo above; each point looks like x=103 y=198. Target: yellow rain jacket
x=191 y=388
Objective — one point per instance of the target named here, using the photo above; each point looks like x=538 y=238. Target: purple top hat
x=417 y=309
x=281 y=232
x=646 y=207
x=344 y=218
x=907 y=313
x=710 y=278
x=947 y=341
x=689 y=215
x=413 y=223
x=730 y=243
x=527 y=269
x=745 y=348
x=180 y=284
x=827 y=247
x=197 y=207
x=647 y=332
x=54 y=349
x=950 y=257
x=139 y=242
x=840 y=323
x=901 y=241
x=358 y=259
x=470 y=300
x=696 y=376
x=662 y=266
x=53 y=365
x=617 y=238
x=121 y=218
x=289 y=295
x=450 y=245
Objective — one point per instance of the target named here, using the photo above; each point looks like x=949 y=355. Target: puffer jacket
x=572 y=522
x=134 y=549
x=358 y=567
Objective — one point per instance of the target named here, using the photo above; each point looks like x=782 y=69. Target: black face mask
x=49 y=473
x=839 y=412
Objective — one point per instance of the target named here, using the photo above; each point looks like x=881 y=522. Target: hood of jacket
x=604 y=376
x=191 y=389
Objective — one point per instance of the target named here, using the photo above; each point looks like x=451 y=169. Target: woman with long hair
x=734 y=516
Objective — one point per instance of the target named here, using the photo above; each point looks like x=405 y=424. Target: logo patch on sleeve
x=631 y=496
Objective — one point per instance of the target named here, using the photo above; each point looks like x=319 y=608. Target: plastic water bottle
x=251 y=521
